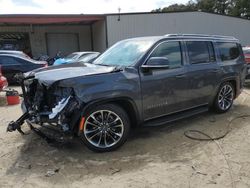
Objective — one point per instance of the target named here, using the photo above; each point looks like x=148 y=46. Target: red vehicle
x=246 y=51
x=3 y=80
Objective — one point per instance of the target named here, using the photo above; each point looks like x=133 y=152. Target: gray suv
x=146 y=81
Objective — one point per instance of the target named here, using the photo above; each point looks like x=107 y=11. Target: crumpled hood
x=49 y=76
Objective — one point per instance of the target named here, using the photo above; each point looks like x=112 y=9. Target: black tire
x=108 y=130
x=225 y=93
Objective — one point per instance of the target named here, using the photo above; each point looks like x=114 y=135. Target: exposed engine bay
x=55 y=106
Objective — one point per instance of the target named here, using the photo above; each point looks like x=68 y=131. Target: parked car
x=246 y=51
x=77 y=56
x=146 y=81
x=3 y=80
x=18 y=53
x=88 y=58
x=13 y=65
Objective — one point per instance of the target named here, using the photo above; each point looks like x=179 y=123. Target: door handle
x=214 y=71
x=181 y=76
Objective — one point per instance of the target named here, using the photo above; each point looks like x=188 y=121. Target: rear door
x=203 y=72
x=164 y=90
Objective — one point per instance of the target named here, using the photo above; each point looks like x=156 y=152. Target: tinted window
x=200 y=52
x=170 y=50
x=8 y=61
x=228 y=51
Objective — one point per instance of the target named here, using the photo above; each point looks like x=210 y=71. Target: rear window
x=228 y=50
x=200 y=52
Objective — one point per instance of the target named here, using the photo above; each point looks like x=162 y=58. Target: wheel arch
x=233 y=81
x=125 y=103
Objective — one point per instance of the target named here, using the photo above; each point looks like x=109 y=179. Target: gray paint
x=135 y=25
x=48 y=77
x=155 y=92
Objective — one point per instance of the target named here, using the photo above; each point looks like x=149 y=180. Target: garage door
x=66 y=43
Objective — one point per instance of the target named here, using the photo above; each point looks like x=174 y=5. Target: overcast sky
x=81 y=6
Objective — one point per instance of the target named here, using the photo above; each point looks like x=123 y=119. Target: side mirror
x=156 y=63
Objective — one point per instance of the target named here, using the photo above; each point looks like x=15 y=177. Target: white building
x=47 y=34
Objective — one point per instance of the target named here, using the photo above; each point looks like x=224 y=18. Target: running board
x=176 y=116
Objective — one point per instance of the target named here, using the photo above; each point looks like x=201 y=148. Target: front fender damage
x=51 y=108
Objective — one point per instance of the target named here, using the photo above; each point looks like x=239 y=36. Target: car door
x=164 y=89
x=202 y=71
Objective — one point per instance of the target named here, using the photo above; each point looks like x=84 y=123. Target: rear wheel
x=224 y=98
x=106 y=128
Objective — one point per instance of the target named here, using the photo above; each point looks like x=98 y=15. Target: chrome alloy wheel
x=103 y=128
x=225 y=97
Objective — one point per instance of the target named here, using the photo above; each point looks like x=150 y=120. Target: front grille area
x=40 y=98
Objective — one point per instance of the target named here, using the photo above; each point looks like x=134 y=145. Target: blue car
x=77 y=57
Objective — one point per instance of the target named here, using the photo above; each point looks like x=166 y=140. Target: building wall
x=37 y=35
x=135 y=25
x=99 y=36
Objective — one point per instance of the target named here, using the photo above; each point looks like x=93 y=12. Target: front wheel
x=106 y=128
x=224 y=98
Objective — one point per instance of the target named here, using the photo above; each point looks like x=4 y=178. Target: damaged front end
x=54 y=107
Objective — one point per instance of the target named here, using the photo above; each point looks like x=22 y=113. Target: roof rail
x=200 y=35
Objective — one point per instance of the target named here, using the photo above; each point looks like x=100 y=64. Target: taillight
x=46 y=65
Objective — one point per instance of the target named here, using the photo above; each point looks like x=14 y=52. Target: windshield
x=125 y=53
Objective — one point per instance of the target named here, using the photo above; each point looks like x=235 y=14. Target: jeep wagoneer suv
x=144 y=81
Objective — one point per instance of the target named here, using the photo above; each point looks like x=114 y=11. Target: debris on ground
x=115 y=170
x=52 y=172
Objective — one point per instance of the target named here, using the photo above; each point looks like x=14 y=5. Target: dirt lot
x=152 y=157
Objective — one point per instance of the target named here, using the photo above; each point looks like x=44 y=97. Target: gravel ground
x=152 y=157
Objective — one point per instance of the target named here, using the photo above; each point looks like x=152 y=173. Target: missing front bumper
x=56 y=122
x=16 y=125
x=46 y=132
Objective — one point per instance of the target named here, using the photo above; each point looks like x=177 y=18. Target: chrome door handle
x=181 y=76
x=215 y=71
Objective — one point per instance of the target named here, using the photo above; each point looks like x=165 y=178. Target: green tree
x=239 y=8
x=206 y=5
x=190 y=6
x=222 y=6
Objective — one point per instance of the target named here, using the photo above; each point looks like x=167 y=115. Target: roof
x=49 y=19
x=187 y=36
x=180 y=11
x=40 y=19
x=214 y=37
